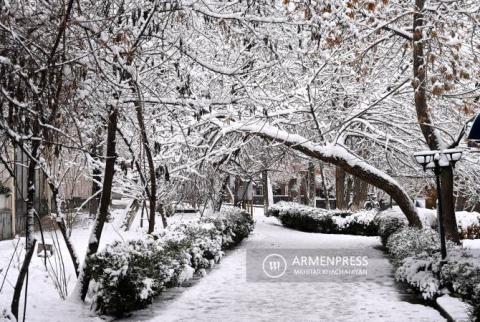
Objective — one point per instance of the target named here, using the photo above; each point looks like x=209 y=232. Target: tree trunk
x=30 y=223
x=349 y=192
x=105 y=200
x=311 y=184
x=431 y=197
x=21 y=277
x=340 y=188
x=265 y=190
x=236 y=192
x=431 y=135
x=325 y=188
x=151 y=169
x=360 y=194
x=223 y=190
x=97 y=178
x=304 y=188
x=449 y=220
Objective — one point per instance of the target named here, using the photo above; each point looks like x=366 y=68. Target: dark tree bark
x=431 y=197
x=223 y=190
x=425 y=120
x=360 y=194
x=340 y=188
x=151 y=170
x=236 y=188
x=311 y=184
x=304 y=188
x=449 y=218
x=30 y=222
x=349 y=192
x=21 y=278
x=324 y=187
x=105 y=200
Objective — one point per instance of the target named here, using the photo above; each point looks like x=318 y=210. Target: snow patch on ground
x=454 y=307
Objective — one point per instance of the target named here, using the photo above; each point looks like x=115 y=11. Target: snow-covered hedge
x=389 y=222
x=392 y=220
x=411 y=242
x=309 y=219
x=468 y=224
x=416 y=255
x=461 y=274
x=128 y=275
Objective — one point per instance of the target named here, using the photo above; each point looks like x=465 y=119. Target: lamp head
x=453 y=155
x=425 y=157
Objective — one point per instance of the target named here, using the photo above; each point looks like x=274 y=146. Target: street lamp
x=436 y=160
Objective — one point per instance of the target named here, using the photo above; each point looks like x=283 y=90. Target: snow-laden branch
x=333 y=154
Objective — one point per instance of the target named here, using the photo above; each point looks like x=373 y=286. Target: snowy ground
x=224 y=293
x=44 y=303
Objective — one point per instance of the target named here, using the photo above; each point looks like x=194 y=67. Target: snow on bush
x=416 y=254
x=388 y=222
x=128 y=275
x=468 y=224
x=391 y=220
x=412 y=241
x=461 y=274
x=418 y=271
x=310 y=219
x=428 y=217
x=359 y=223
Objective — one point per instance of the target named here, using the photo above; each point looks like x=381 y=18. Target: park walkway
x=225 y=295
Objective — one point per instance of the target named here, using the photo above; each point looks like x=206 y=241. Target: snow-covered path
x=225 y=295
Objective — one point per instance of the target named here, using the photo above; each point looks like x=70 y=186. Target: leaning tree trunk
x=431 y=135
x=341 y=157
x=60 y=220
x=105 y=200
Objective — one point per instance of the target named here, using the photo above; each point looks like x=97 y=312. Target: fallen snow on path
x=225 y=295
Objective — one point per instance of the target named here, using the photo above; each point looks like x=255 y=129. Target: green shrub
x=416 y=255
x=411 y=242
x=387 y=223
x=308 y=223
x=127 y=275
x=461 y=274
x=360 y=223
x=420 y=272
x=234 y=225
x=310 y=219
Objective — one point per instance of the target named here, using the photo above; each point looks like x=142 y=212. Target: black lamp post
x=436 y=160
